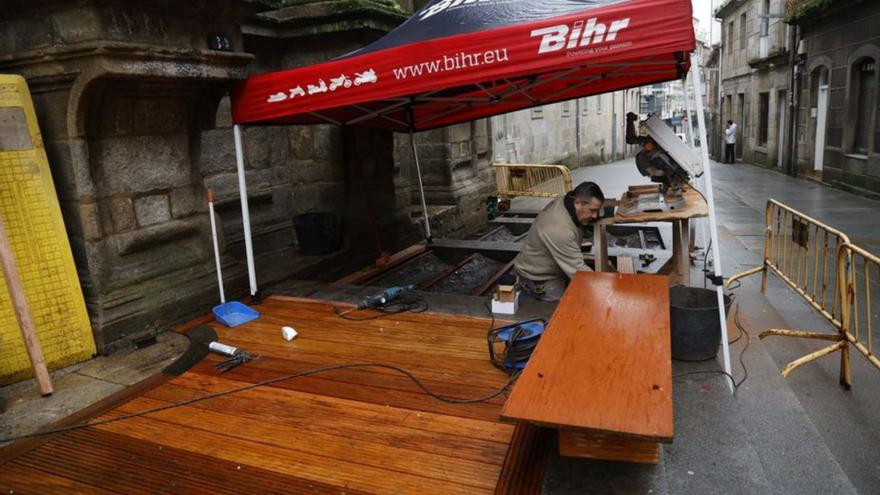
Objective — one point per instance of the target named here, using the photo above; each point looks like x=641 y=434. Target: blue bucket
x=234 y=313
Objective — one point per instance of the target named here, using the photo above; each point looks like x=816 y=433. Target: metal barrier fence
x=854 y=270
x=804 y=253
x=520 y=179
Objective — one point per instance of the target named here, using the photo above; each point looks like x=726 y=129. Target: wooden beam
x=23 y=315
x=448 y=271
x=574 y=443
x=365 y=274
x=479 y=291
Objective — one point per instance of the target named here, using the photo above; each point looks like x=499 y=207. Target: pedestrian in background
x=730 y=147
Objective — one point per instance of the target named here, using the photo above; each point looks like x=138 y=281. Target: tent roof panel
x=617 y=45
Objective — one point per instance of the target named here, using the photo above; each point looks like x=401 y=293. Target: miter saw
x=667 y=161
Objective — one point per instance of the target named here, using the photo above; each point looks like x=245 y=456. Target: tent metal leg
x=713 y=226
x=245 y=212
x=699 y=225
x=412 y=140
x=687 y=112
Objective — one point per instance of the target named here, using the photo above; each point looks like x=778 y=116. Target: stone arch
x=818 y=67
x=854 y=114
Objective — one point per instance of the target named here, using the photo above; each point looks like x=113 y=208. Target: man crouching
x=551 y=254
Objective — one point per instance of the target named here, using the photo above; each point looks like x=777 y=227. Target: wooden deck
x=357 y=431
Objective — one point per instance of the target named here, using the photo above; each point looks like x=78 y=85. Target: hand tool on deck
x=382 y=298
x=236 y=356
x=232 y=313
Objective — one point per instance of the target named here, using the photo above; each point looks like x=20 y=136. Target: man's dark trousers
x=728 y=153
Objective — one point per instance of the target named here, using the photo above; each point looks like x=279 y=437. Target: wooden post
x=19 y=304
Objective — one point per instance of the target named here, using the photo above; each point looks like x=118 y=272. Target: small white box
x=506 y=308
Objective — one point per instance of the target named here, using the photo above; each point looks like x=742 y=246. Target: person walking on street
x=730 y=139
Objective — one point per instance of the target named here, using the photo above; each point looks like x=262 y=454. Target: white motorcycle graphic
x=320 y=88
x=276 y=98
x=368 y=76
x=297 y=91
x=342 y=80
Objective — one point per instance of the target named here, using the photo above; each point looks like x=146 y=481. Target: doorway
x=740 y=125
x=780 y=134
x=821 y=117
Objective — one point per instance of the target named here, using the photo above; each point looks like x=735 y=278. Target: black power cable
x=405 y=303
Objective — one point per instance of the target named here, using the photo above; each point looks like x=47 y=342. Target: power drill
x=384 y=297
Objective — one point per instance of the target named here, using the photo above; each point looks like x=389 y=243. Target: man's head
x=588 y=199
x=729 y=123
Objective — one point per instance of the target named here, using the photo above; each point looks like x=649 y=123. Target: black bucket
x=317 y=232
x=696 y=330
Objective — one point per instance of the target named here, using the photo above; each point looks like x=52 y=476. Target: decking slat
x=356 y=431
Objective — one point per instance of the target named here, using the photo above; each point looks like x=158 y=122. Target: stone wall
x=547 y=134
x=835 y=40
x=132 y=107
x=456 y=172
x=753 y=64
x=121 y=91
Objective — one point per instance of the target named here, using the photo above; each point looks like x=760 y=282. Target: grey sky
x=703 y=11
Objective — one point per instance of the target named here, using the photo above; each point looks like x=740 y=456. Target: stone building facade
x=548 y=134
x=838 y=128
x=755 y=79
x=131 y=99
x=799 y=78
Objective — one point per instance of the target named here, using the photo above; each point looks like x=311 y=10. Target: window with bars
x=742 y=31
x=730 y=35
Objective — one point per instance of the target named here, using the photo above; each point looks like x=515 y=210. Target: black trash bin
x=318 y=232
x=696 y=330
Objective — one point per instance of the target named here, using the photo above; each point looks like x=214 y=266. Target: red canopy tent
x=459 y=60
x=496 y=62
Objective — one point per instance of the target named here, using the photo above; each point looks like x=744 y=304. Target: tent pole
x=412 y=141
x=245 y=212
x=687 y=112
x=693 y=143
x=713 y=226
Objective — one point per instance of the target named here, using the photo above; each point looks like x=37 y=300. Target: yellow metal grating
x=32 y=217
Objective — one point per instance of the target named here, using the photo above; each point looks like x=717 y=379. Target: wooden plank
x=23 y=314
x=124 y=463
x=365 y=274
x=22 y=446
x=483 y=289
x=591 y=445
x=255 y=452
x=448 y=271
x=39 y=482
x=604 y=363
x=626 y=264
x=472 y=439
x=305 y=444
x=523 y=470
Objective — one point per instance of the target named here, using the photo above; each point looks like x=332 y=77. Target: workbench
x=678 y=267
x=602 y=372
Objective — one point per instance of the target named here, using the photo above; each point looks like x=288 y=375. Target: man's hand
x=631 y=117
